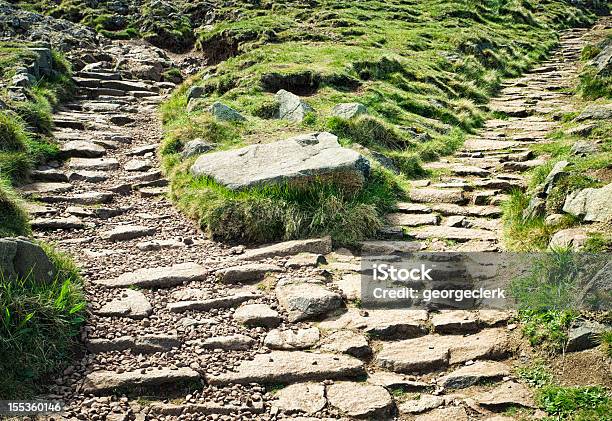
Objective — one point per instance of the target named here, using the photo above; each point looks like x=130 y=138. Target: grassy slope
x=25 y=128
x=592 y=170
x=38 y=322
x=424 y=69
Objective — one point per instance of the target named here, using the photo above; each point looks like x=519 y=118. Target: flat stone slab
x=397 y=381
x=257 y=315
x=89 y=198
x=452 y=233
x=140 y=345
x=244 y=273
x=159 y=277
x=106 y=381
x=454 y=321
x=81 y=149
x=433 y=352
x=454 y=413
x=361 y=400
x=68 y=223
x=450 y=209
x=347 y=342
x=296 y=160
x=127 y=232
x=93 y=164
x=412 y=220
x=45 y=188
x=288 y=248
x=135 y=165
x=292 y=340
x=429 y=195
x=304 y=398
x=132 y=304
x=305 y=300
x=384 y=323
x=422 y=404
x=228 y=342
x=88 y=176
x=290 y=367
x=507 y=394
x=208 y=304
x=478 y=372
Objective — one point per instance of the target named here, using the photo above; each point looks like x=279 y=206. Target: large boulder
x=596 y=112
x=348 y=110
x=291 y=107
x=297 y=161
x=592 y=205
x=223 y=112
x=20 y=258
x=603 y=61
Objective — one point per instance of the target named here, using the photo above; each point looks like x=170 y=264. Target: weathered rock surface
x=127 y=232
x=592 y=205
x=360 y=400
x=106 y=381
x=223 y=112
x=229 y=342
x=133 y=304
x=257 y=315
x=507 y=394
x=455 y=413
x=145 y=344
x=295 y=160
x=212 y=303
x=306 y=300
x=160 y=277
x=291 y=107
x=574 y=238
x=349 y=110
x=21 y=257
x=195 y=147
x=290 y=367
x=347 y=342
x=472 y=374
x=305 y=398
x=288 y=248
x=292 y=340
x=244 y=273
x=422 y=404
x=586 y=334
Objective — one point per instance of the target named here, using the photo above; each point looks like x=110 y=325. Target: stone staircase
x=184 y=328
x=461 y=210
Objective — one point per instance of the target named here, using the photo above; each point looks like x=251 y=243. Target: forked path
x=178 y=327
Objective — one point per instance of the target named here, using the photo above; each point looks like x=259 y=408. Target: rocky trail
x=177 y=327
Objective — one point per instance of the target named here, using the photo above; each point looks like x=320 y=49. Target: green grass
x=592 y=84
x=13 y=219
x=535 y=375
x=424 y=70
x=39 y=323
x=606 y=342
x=591 y=403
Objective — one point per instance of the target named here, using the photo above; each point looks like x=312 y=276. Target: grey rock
x=596 y=112
x=454 y=413
x=81 y=149
x=288 y=248
x=195 y=147
x=257 y=315
x=306 y=300
x=244 y=273
x=507 y=394
x=145 y=344
x=290 y=367
x=603 y=61
x=585 y=335
x=296 y=160
x=585 y=148
x=223 y=112
x=592 y=205
x=553 y=176
x=229 y=342
x=430 y=195
x=132 y=304
x=535 y=208
x=291 y=107
x=305 y=398
x=478 y=372
x=292 y=340
x=31 y=260
x=159 y=277
x=100 y=382
x=347 y=342
x=454 y=321
x=212 y=303
x=361 y=400
x=67 y=223
x=127 y=232
x=93 y=164
x=195 y=92
x=422 y=404
x=305 y=260
x=349 y=110
x=574 y=238
x=138 y=165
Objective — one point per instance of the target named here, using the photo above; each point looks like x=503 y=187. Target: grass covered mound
x=25 y=128
x=423 y=69
x=39 y=326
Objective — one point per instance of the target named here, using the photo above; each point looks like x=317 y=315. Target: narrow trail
x=178 y=330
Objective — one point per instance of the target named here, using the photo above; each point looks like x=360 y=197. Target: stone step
x=108 y=381
x=212 y=303
x=49 y=175
x=89 y=198
x=110 y=75
x=158 y=277
x=452 y=233
x=484 y=211
x=127 y=232
x=93 y=164
x=204 y=408
x=412 y=220
x=430 y=195
x=81 y=149
x=283 y=367
x=47 y=224
x=68 y=123
x=145 y=344
x=128 y=85
x=101 y=92
x=42 y=188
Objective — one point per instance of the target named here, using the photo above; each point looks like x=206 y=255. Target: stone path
x=183 y=328
x=461 y=211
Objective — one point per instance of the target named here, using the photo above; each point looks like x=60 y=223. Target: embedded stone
x=305 y=398
x=132 y=304
x=159 y=277
x=478 y=372
x=306 y=300
x=257 y=315
x=244 y=273
x=292 y=340
x=360 y=400
x=106 y=381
